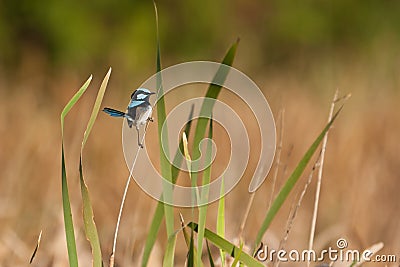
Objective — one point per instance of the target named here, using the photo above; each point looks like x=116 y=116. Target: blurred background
x=298 y=53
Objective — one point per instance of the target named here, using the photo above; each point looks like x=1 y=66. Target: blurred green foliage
x=89 y=33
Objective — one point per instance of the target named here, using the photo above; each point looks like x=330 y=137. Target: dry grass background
x=361 y=181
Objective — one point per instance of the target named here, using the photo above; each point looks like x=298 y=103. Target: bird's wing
x=135 y=103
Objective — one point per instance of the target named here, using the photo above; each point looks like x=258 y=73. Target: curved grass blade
x=170 y=251
x=72 y=102
x=96 y=108
x=288 y=186
x=204 y=194
x=228 y=247
x=88 y=216
x=88 y=220
x=68 y=223
x=207 y=106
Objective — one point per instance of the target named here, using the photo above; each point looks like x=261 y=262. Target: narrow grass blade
x=212 y=92
x=187 y=240
x=152 y=235
x=190 y=260
x=96 y=108
x=159 y=212
x=88 y=220
x=236 y=261
x=228 y=247
x=209 y=255
x=178 y=154
x=163 y=140
x=88 y=216
x=170 y=251
x=204 y=194
x=194 y=253
x=221 y=220
x=68 y=223
x=288 y=186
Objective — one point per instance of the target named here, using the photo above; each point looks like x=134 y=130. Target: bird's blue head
x=141 y=94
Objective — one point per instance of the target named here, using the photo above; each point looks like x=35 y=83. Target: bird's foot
x=150 y=119
x=140 y=145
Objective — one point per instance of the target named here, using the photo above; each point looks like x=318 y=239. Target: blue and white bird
x=138 y=112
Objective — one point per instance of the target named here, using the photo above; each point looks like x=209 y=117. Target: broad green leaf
x=68 y=223
x=227 y=246
x=288 y=186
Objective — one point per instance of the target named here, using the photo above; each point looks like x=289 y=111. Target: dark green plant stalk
x=204 y=194
x=190 y=260
x=209 y=255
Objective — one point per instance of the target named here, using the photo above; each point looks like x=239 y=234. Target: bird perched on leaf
x=138 y=112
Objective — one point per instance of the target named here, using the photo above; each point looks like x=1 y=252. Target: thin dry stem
x=246 y=214
x=292 y=215
x=111 y=264
x=373 y=249
x=37 y=247
x=319 y=181
x=120 y=211
x=277 y=163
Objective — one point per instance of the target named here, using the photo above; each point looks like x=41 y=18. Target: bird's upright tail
x=114 y=112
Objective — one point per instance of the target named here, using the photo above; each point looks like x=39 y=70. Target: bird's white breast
x=143 y=114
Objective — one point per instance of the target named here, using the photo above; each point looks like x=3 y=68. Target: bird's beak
x=152 y=93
